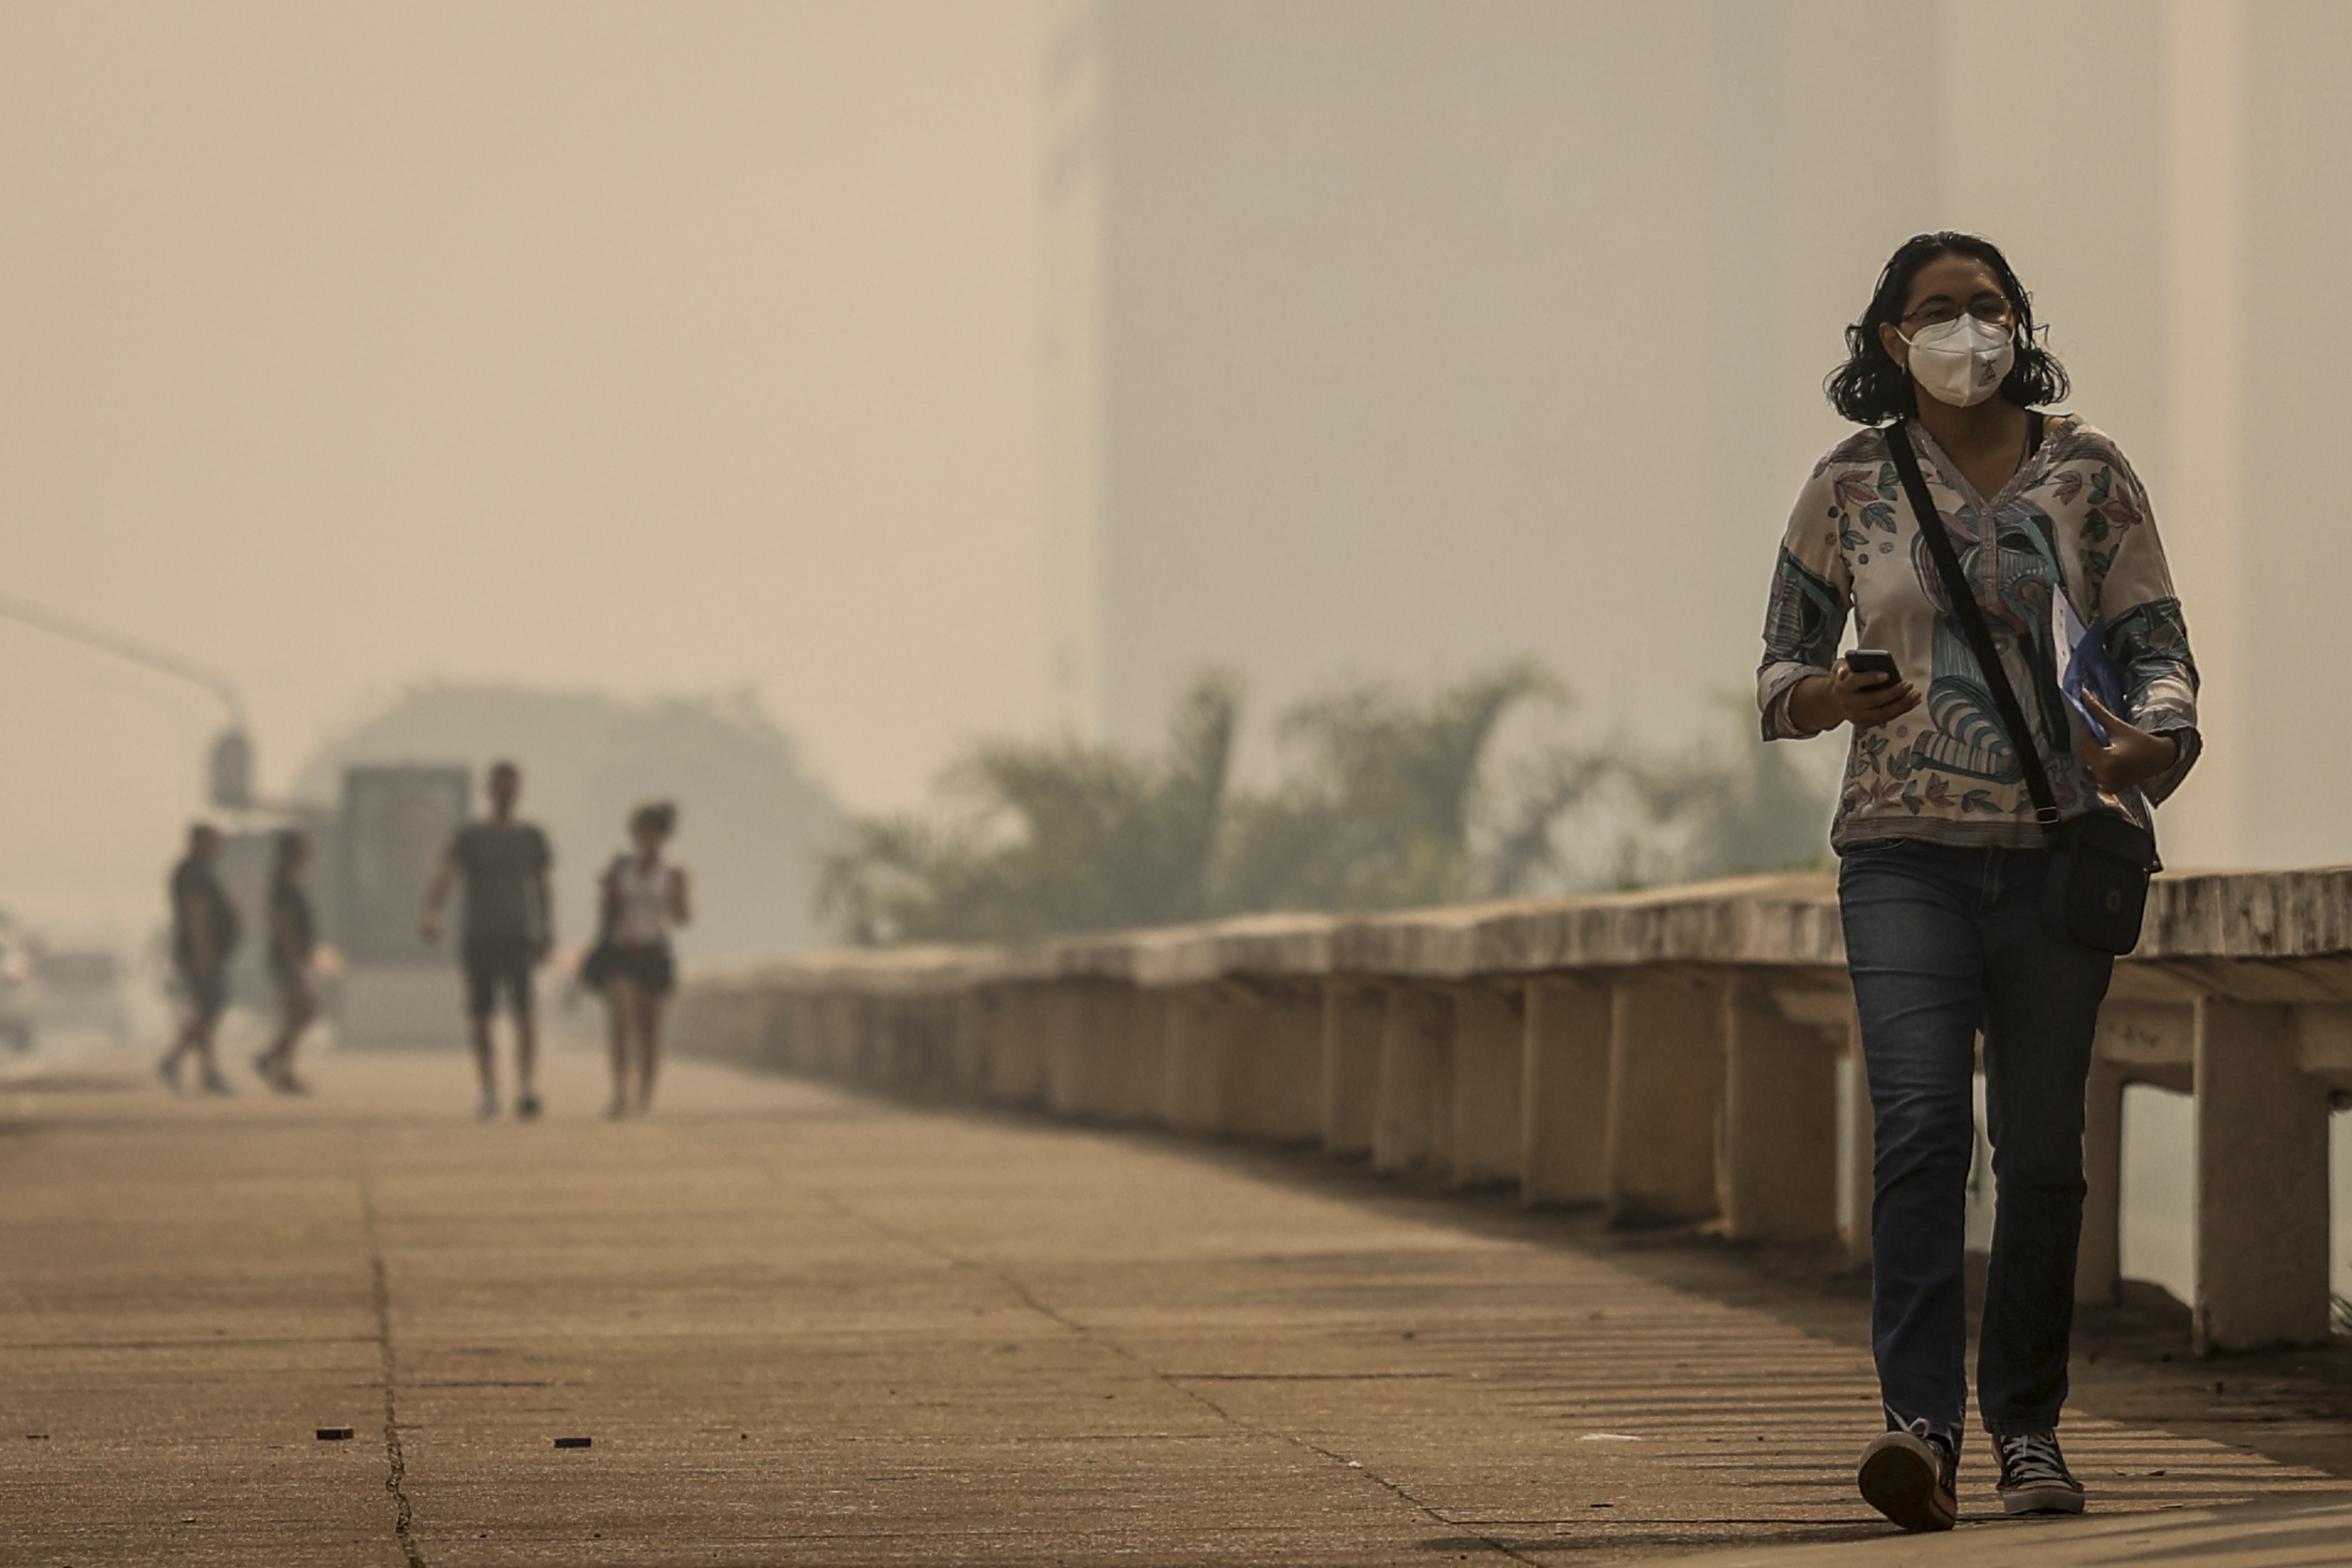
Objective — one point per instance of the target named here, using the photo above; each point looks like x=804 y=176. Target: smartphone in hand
x=1875 y=661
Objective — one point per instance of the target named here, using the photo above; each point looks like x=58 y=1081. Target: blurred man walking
x=506 y=930
x=203 y=934
x=293 y=942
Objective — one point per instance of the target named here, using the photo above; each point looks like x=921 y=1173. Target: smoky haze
x=664 y=350
x=1412 y=335
x=934 y=369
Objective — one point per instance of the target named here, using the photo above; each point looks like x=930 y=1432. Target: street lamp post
x=229 y=772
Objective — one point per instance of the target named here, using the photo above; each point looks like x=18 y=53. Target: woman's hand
x=2132 y=756
x=1846 y=697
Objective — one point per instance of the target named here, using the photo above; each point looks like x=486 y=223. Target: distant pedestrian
x=1982 y=775
x=508 y=928
x=203 y=935
x=293 y=942
x=641 y=899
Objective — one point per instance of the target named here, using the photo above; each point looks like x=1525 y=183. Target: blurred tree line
x=1384 y=798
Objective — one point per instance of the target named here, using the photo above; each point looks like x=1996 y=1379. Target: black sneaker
x=2034 y=1476
x=1910 y=1479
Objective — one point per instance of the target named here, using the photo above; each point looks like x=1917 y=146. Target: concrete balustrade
x=1674 y=1055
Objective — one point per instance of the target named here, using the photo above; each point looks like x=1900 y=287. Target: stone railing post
x=1070 y=1064
x=1207 y=1027
x=1355 y=1014
x=1148 y=1016
x=1094 y=1053
x=1016 y=1044
x=975 y=1017
x=892 y=1030
x=1858 y=1162
x=2141 y=1040
x=2262 y=1182
x=2098 y=1257
x=1665 y=1086
x=1274 y=1070
x=847 y=1012
x=825 y=1005
x=803 y=1038
x=1778 y=1180
x=1412 y=1125
x=1564 y=1101
x=1489 y=1075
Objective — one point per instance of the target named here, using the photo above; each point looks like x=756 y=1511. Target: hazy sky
x=682 y=347
x=649 y=347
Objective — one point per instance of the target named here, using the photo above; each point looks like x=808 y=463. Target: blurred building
x=753 y=820
x=1398 y=335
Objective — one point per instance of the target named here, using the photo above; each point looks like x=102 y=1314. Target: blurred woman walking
x=643 y=898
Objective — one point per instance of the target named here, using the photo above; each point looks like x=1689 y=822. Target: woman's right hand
x=1845 y=696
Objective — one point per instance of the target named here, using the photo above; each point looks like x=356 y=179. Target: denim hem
x=1923 y=1426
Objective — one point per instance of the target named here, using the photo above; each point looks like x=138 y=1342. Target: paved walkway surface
x=802 y=1327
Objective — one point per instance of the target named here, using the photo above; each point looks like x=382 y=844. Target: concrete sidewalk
x=801 y=1326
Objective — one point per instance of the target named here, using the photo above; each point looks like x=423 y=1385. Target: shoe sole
x=2043 y=1500
x=1900 y=1483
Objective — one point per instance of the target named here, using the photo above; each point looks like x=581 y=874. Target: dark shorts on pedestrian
x=496 y=964
x=208 y=993
x=648 y=968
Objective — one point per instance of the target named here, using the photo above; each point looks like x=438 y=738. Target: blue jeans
x=1942 y=941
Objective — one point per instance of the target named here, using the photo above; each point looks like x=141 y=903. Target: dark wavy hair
x=1870 y=388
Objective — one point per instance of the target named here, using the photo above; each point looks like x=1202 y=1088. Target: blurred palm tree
x=1731 y=803
x=1391 y=800
x=1387 y=811
x=1046 y=836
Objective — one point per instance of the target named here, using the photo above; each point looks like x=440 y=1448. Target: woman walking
x=644 y=897
x=1944 y=853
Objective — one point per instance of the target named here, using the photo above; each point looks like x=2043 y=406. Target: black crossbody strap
x=1970 y=615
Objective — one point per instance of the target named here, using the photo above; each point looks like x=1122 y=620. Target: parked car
x=16 y=958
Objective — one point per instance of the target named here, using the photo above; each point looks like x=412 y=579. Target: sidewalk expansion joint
x=395 y=1480
x=1175 y=1382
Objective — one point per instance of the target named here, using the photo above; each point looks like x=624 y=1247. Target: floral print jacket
x=2073 y=516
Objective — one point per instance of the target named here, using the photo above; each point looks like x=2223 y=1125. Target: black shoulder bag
x=598 y=965
x=2100 y=863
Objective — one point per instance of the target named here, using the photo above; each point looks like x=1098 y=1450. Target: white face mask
x=1961 y=361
